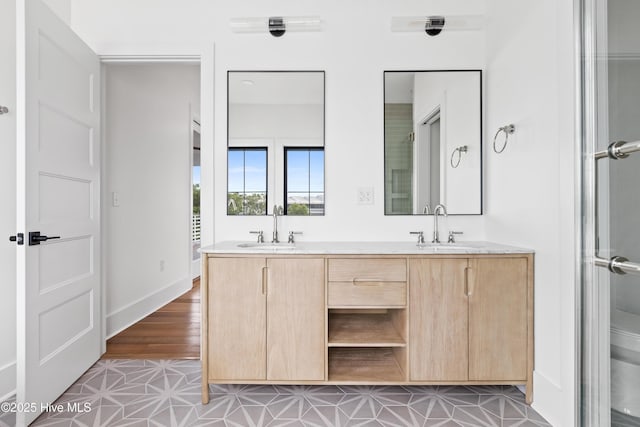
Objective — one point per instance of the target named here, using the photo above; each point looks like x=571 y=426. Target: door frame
x=159 y=55
x=194 y=271
x=422 y=132
x=593 y=407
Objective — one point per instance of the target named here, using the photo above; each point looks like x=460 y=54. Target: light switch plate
x=365 y=196
x=115 y=199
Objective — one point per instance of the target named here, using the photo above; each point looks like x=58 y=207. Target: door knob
x=35 y=238
x=3 y=109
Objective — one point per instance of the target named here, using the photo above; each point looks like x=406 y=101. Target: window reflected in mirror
x=247 y=181
x=304 y=181
x=433 y=141
x=276 y=142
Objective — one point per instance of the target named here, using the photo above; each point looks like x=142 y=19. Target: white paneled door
x=59 y=301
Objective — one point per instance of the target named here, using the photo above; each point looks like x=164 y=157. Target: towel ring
x=459 y=150
x=508 y=130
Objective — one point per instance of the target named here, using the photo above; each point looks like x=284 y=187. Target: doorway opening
x=151 y=180
x=427 y=152
x=195 y=198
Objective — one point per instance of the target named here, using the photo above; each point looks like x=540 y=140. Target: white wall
x=147 y=138
x=529 y=189
x=62 y=8
x=7 y=198
x=353 y=51
x=530 y=186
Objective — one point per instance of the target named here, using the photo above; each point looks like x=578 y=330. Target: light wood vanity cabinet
x=498 y=313
x=266 y=319
x=375 y=282
x=439 y=319
x=295 y=319
x=238 y=319
x=367 y=319
x=414 y=319
x=472 y=319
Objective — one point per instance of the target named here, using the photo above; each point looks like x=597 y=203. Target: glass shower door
x=610 y=359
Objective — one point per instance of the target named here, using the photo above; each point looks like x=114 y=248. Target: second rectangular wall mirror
x=275 y=142
x=433 y=141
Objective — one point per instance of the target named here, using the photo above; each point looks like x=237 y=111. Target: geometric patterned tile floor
x=162 y=393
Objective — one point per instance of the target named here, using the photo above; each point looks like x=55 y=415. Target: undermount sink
x=267 y=246
x=445 y=247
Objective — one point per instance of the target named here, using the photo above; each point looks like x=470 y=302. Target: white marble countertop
x=361 y=248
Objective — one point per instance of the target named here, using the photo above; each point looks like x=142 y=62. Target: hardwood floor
x=172 y=332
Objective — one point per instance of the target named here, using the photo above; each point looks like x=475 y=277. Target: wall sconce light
x=433 y=25
x=275 y=25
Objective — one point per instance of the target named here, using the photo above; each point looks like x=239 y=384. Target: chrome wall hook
x=508 y=130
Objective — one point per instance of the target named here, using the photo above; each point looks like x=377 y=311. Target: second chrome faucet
x=277 y=211
x=438 y=210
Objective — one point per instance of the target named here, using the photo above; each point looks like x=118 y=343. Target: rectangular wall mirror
x=433 y=141
x=275 y=142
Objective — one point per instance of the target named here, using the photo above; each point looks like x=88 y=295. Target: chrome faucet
x=438 y=210
x=277 y=210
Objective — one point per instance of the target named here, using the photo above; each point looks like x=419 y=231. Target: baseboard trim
x=138 y=310
x=8 y=381
x=548 y=399
x=195 y=268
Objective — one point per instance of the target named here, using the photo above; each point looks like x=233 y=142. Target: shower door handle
x=615 y=151
x=618 y=265
x=618 y=150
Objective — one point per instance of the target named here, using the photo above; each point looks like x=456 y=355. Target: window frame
x=309 y=148
x=244 y=149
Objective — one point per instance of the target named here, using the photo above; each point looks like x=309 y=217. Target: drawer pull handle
x=366 y=282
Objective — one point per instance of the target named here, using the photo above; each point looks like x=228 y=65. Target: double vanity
x=367 y=313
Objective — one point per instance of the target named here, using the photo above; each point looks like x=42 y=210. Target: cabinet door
x=498 y=319
x=296 y=319
x=237 y=319
x=438 y=308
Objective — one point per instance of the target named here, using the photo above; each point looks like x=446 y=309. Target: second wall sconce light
x=434 y=24
x=276 y=25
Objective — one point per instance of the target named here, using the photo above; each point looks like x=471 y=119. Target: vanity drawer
x=367 y=269
x=367 y=294
x=368 y=282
